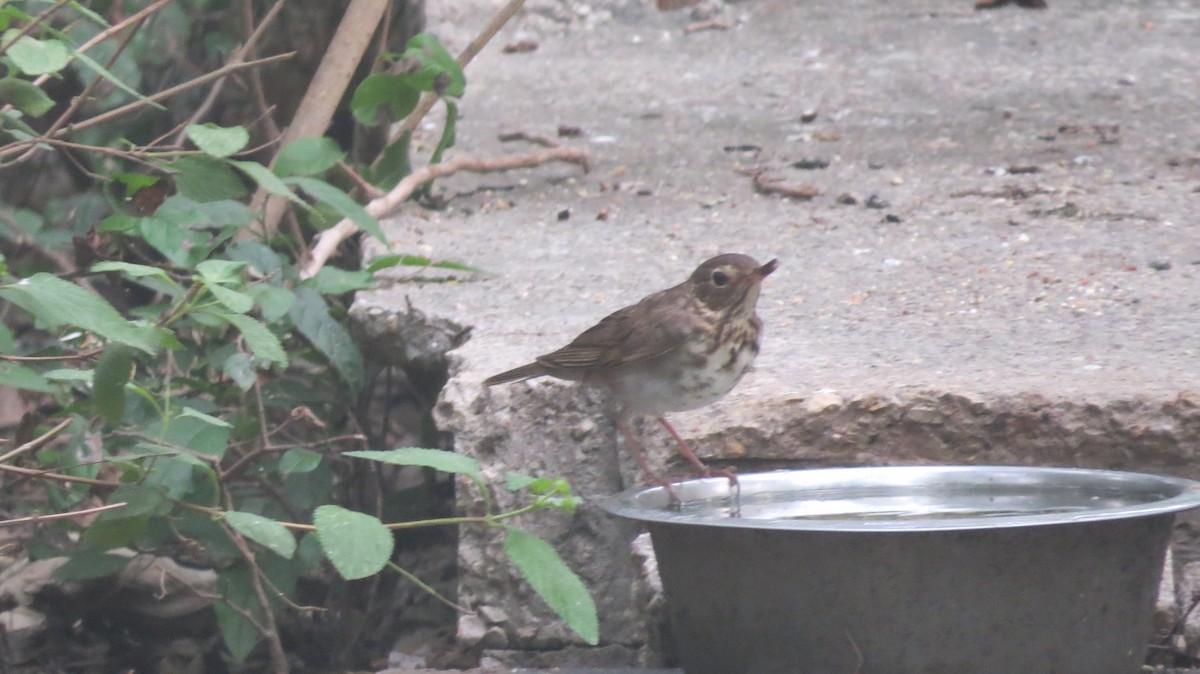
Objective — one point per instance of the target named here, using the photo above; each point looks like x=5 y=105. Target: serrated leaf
x=108 y=383
x=263 y=530
x=233 y=300
x=334 y=281
x=308 y=156
x=357 y=544
x=217 y=141
x=139 y=500
x=447 y=462
x=90 y=563
x=274 y=301
x=209 y=419
x=221 y=271
x=310 y=315
x=299 y=461
x=24 y=96
x=55 y=302
x=385 y=261
x=141 y=273
x=205 y=179
x=262 y=342
x=267 y=180
x=36 y=57
x=341 y=202
x=554 y=582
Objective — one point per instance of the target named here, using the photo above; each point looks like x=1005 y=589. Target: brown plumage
x=678 y=349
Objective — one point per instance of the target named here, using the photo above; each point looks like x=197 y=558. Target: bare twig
x=30 y=145
x=472 y=50
x=239 y=55
x=330 y=239
x=82 y=355
x=268 y=630
x=35 y=519
x=36 y=442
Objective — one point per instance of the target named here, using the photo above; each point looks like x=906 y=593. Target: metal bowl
x=963 y=569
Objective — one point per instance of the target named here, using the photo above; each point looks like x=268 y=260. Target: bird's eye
x=720 y=278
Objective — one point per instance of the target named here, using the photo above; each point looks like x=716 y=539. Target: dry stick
x=485 y=36
x=239 y=55
x=329 y=240
x=316 y=109
x=35 y=519
x=269 y=630
x=38 y=441
x=140 y=103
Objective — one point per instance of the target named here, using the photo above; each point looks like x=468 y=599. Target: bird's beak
x=765 y=270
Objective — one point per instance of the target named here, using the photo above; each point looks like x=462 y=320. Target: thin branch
x=239 y=55
x=329 y=240
x=472 y=50
x=30 y=145
x=428 y=588
x=38 y=441
x=269 y=631
x=35 y=519
x=82 y=355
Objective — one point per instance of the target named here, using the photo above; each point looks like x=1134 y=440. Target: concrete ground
x=1001 y=264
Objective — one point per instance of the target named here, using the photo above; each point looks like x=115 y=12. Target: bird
x=678 y=349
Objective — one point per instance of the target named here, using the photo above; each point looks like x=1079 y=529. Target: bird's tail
x=517 y=374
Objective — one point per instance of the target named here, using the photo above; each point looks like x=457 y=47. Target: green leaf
x=394 y=163
x=517 y=481
x=449 y=133
x=221 y=271
x=217 y=141
x=233 y=300
x=310 y=315
x=240 y=368
x=554 y=582
x=197 y=433
x=357 y=544
x=383 y=89
x=234 y=586
x=267 y=180
x=436 y=60
x=204 y=179
x=262 y=342
x=341 y=202
x=335 y=281
x=108 y=383
x=35 y=57
x=447 y=462
x=104 y=533
x=299 y=461
x=24 y=96
x=273 y=301
x=139 y=500
x=263 y=530
x=190 y=413
x=90 y=563
x=385 y=261
x=308 y=156
x=140 y=273
x=55 y=302
x=24 y=378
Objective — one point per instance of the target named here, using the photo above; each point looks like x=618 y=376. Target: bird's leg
x=701 y=468
x=650 y=476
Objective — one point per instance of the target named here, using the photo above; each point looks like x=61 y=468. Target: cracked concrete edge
x=553 y=428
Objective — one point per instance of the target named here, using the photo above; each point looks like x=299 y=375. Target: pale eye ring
x=720 y=278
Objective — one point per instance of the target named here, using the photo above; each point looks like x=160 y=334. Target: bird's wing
x=629 y=335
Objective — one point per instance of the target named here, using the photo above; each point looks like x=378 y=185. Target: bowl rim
x=650 y=504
